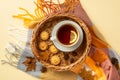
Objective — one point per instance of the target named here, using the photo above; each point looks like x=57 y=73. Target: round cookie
x=55 y=60
x=44 y=35
x=53 y=49
x=43 y=45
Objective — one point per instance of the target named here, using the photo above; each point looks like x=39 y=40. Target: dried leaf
x=30 y=63
x=87 y=75
x=45 y=55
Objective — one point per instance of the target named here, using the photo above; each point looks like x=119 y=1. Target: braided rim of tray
x=62 y=17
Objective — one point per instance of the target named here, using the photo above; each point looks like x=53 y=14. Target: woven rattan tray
x=48 y=24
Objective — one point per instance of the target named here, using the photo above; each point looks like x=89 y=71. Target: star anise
x=30 y=63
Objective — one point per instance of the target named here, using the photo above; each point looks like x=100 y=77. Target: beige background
x=105 y=15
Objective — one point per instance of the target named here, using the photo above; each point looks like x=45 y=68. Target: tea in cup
x=67 y=35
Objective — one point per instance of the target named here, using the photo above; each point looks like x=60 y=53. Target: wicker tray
x=48 y=24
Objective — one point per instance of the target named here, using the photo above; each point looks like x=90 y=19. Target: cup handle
x=52 y=38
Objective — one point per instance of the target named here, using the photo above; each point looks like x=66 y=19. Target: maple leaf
x=30 y=63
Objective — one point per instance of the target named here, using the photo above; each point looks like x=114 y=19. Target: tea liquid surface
x=67 y=34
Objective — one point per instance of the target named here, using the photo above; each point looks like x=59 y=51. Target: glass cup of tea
x=67 y=35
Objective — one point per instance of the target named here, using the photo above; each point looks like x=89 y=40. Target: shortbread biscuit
x=44 y=35
x=55 y=60
x=43 y=45
x=53 y=49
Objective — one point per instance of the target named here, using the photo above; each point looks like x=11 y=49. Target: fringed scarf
x=99 y=55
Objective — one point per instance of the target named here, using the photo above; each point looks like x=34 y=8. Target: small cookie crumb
x=43 y=45
x=55 y=60
x=53 y=49
x=44 y=35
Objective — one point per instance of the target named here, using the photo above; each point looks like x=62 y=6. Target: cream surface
x=105 y=15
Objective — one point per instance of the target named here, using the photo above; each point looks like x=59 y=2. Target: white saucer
x=61 y=46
